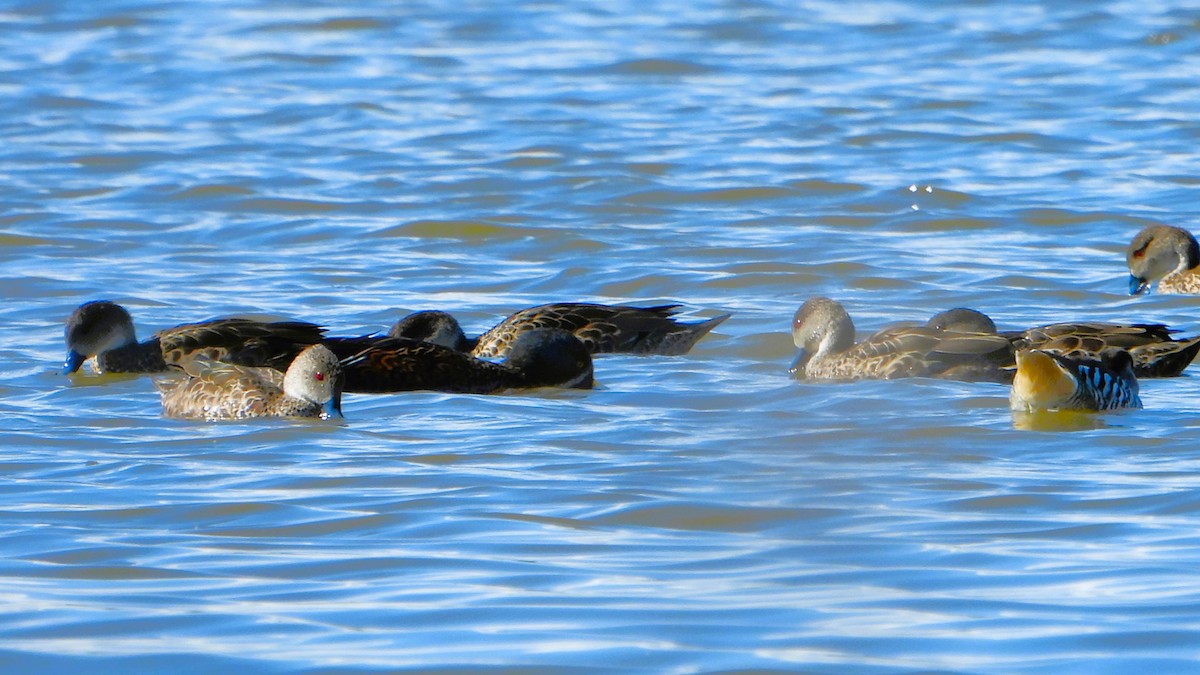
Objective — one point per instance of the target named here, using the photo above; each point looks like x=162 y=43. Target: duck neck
x=139 y=357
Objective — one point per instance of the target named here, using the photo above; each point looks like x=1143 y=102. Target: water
x=350 y=163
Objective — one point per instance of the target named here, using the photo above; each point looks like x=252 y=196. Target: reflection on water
x=1057 y=420
x=697 y=513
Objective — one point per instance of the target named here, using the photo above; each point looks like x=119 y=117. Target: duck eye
x=319 y=376
x=1141 y=251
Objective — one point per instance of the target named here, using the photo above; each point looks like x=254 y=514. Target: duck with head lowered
x=1164 y=255
x=102 y=331
x=825 y=334
x=311 y=387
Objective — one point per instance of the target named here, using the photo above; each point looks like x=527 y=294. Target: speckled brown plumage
x=311 y=387
x=104 y=331
x=824 y=332
x=539 y=358
x=603 y=329
x=1151 y=346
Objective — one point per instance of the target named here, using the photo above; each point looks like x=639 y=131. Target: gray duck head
x=96 y=327
x=315 y=376
x=820 y=327
x=1159 y=251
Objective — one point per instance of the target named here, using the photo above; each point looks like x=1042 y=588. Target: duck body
x=538 y=358
x=1164 y=255
x=824 y=332
x=1051 y=381
x=603 y=329
x=1152 y=347
x=103 y=331
x=311 y=387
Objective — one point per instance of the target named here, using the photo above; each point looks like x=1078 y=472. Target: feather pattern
x=1154 y=350
x=603 y=329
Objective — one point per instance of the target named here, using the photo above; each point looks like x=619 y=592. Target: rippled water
x=348 y=163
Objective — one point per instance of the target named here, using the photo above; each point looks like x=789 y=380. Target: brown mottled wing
x=925 y=352
x=603 y=329
x=1114 y=334
x=221 y=391
x=893 y=353
x=239 y=341
x=1154 y=352
x=1164 y=359
x=397 y=364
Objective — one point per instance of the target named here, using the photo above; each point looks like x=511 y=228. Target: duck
x=102 y=331
x=1048 y=380
x=603 y=329
x=212 y=390
x=540 y=357
x=1154 y=350
x=1166 y=255
x=824 y=332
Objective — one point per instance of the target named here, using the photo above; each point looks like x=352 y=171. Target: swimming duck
x=824 y=332
x=1167 y=255
x=1154 y=351
x=103 y=330
x=1050 y=381
x=311 y=387
x=541 y=357
x=602 y=328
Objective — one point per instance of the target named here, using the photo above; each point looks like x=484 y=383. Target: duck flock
x=1061 y=366
x=235 y=368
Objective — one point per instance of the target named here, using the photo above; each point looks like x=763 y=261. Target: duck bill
x=333 y=407
x=1138 y=285
x=797 y=367
x=73 y=362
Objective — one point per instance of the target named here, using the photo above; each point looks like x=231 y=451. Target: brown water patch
x=657 y=67
x=213 y=190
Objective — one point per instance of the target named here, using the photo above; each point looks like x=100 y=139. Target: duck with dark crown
x=103 y=331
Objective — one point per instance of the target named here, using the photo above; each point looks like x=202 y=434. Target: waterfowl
x=824 y=332
x=1050 y=381
x=103 y=330
x=541 y=357
x=1166 y=255
x=311 y=387
x=602 y=328
x=1155 y=353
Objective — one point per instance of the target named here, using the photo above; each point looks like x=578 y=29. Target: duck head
x=820 y=327
x=315 y=375
x=96 y=327
x=432 y=326
x=1159 y=251
x=552 y=357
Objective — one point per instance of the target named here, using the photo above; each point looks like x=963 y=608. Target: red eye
x=319 y=376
